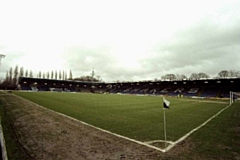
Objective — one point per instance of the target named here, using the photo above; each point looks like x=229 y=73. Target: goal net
x=234 y=97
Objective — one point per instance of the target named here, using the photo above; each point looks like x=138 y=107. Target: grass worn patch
x=14 y=149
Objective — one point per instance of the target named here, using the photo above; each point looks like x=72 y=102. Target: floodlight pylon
x=1 y=57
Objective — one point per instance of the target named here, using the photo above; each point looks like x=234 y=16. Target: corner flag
x=166 y=103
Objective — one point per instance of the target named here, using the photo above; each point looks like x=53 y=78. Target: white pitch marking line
x=117 y=135
x=133 y=140
x=162 y=141
x=194 y=130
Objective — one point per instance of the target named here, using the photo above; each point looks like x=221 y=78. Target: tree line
x=198 y=76
x=13 y=74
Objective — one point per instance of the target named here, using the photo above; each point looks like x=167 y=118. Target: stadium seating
x=191 y=92
x=43 y=88
x=26 y=88
x=197 y=88
x=210 y=92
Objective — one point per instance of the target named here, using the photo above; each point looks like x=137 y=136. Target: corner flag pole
x=165 y=105
x=165 y=130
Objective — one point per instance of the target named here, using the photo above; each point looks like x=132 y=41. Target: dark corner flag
x=166 y=103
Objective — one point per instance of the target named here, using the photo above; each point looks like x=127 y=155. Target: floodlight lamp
x=2 y=55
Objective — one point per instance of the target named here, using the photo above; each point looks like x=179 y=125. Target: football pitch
x=136 y=117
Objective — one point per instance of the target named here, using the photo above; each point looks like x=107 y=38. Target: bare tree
x=63 y=75
x=26 y=73
x=48 y=75
x=31 y=74
x=238 y=73
x=56 y=74
x=233 y=73
x=39 y=74
x=52 y=75
x=10 y=75
x=223 y=74
x=169 y=77
x=60 y=75
x=197 y=76
x=203 y=75
x=15 y=76
x=21 y=73
x=163 y=78
x=194 y=76
x=70 y=75
x=181 y=77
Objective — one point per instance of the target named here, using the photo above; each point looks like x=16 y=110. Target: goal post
x=234 y=97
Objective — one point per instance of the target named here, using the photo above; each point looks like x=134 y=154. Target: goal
x=234 y=97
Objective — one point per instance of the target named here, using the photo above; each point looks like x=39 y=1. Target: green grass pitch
x=136 y=117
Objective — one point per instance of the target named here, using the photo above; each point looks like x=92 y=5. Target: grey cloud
x=82 y=59
x=204 y=47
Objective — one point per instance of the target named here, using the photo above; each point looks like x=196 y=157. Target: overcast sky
x=127 y=40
